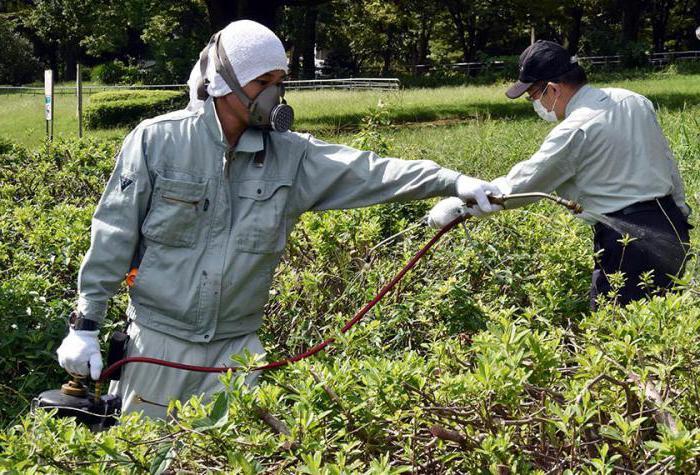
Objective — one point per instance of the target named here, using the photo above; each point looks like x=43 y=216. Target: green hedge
x=128 y=108
x=485 y=360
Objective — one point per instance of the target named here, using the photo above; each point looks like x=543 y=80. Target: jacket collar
x=577 y=99
x=250 y=141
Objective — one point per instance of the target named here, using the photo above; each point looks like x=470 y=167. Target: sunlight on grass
x=330 y=112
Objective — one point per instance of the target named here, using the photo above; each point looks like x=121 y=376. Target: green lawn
x=22 y=118
x=330 y=112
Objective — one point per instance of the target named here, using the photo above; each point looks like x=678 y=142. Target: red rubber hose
x=311 y=351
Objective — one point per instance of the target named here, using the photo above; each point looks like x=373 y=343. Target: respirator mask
x=268 y=111
x=549 y=116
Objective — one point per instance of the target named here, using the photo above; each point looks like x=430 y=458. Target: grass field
x=334 y=112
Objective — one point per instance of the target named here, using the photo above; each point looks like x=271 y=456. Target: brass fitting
x=74 y=387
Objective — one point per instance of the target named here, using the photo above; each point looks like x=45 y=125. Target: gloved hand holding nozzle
x=473 y=199
x=475 y=193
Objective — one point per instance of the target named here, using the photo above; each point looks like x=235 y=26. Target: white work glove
x=473 y=189
x=446 y=211
x=79 y=353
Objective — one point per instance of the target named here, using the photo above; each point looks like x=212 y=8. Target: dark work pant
x=655 y=246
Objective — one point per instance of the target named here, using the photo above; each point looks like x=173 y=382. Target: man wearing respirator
x=202 y=201
x=609 y=154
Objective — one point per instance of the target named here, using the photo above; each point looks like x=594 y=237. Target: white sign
x=48 y=89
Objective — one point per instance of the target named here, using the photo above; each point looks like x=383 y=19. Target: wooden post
x=79 y=92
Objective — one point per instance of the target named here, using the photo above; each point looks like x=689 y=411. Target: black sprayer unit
x=96 y=410
x=74 y=400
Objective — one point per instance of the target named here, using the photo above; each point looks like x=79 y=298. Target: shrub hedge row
x=486 y=359
x=128 y=108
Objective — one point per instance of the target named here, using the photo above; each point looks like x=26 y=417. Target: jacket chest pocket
x=175 y=217
x=260 y=225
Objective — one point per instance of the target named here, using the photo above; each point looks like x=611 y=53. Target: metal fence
x=474 y=67
x=654 y=59
x=347 y=83
x=661 y=59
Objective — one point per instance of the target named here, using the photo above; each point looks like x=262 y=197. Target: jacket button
x=206 y=204
x=259 y=191
x=206 y=337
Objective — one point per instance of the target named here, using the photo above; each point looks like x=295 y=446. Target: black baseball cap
x=541 y=61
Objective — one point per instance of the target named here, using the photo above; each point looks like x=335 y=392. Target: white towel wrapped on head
x=253 y=50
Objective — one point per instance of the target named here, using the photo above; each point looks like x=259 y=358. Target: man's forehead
x=272 y=75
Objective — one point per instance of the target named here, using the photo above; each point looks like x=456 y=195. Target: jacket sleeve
x=115 y=229
x=333 y=176
x=552 y=165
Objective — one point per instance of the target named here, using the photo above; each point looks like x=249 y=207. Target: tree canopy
x=163 y=37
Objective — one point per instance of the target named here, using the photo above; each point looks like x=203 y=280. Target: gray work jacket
x=206 y=224
x=608 y=153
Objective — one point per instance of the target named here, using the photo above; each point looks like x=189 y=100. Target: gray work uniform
x=608 y=153
x=206 y=224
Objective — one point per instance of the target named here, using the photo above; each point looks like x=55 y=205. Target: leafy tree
x=374 y=36
x=174 y=36
x=17 y=65
x=660 y=13
x=60 y=25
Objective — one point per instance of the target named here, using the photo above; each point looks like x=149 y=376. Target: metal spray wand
x=497 y=200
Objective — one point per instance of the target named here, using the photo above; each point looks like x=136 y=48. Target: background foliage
x=160 y=40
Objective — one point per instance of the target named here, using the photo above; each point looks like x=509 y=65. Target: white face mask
x=549 y=116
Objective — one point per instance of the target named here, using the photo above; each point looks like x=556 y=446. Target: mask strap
x=555 y=99
x=203 y=63
x=225 y=69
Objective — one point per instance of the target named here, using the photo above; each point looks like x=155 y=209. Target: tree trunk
x=424 y=41
x=456 y=15
x=573 y=38
x=53 y=63
x=309 y=43
x=69 y=62
x=472 y=37
x=294 y=63
x=221 y=13
x=631 y=15
x=386 y=54
x=660 y=13
x=264 y=12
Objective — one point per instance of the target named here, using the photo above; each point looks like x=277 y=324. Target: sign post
x=48 y=102
x=79 y=92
